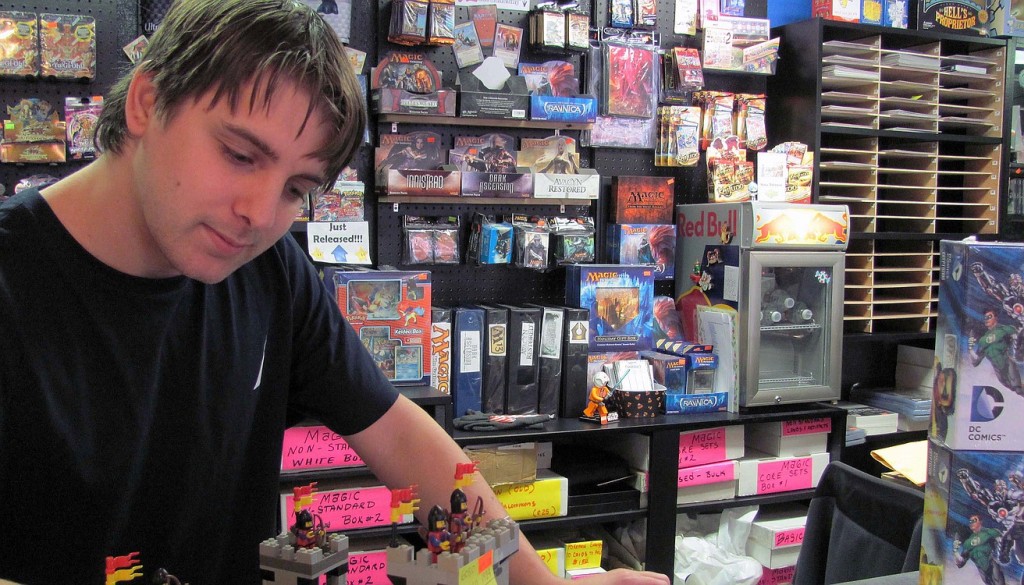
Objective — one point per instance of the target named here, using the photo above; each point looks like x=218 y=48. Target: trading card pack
x=19 y=43
x=67 y=46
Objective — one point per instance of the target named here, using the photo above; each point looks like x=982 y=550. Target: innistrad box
x=978 y=399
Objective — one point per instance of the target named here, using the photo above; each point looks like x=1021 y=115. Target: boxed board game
x=390 y=311
x=620 y=300
x=968 y=17
x=972 y=531
x=979 y=346
x=637 y=199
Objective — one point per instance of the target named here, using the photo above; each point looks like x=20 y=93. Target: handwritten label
x=807 y=426
x=705 y=474
x=550 y=558
x=316 y=447
x=701 y=447
x=785 y=475
x=350 y=509
x=791 y=537
x=583 y=555
x=537 y=499
x=367 y=568
x=776 y=576
x=479 y=573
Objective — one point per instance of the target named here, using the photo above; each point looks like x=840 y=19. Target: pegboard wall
x=453 y=284
x=116 y=26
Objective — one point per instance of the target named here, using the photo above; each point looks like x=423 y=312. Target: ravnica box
x=390 y=311
x=621 y=304
x=638 y=199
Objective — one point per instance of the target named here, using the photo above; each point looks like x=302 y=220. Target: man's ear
x=140 y=103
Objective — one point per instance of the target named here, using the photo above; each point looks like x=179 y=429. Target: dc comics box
x=390 y=311
x=972 y=529
x=978 y=395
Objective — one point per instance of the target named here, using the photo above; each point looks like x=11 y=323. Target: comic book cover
x=554 y=154
x=557 y=78
x=629 y=81
x=409 y=71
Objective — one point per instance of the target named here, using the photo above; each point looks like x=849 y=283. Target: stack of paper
x=874 y=420
x=855 y=436
x=909 y=460
x=848 y=72
x=914 y=60
x=912 y=405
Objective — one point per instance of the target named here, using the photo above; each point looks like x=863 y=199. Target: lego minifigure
x=597 y=409
x=438 y=536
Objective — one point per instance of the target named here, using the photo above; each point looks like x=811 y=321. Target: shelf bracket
x=394 y=127
x=394 y=207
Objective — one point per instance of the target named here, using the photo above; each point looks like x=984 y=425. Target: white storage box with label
x=790 y=438
x=710 y=445
x=776 y=536
x=707 y=483
x=761 y=473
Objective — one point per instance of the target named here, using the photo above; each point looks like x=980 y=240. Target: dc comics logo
x=986 y=404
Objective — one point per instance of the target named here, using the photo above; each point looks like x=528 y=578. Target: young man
x=160 y=331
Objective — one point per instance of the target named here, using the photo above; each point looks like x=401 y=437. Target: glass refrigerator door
x=794 y=327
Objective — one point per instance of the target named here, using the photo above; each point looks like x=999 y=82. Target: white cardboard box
x=775 y=537
x=706 y=483
x=695 y=447
x=761 y=473
x=790 y=438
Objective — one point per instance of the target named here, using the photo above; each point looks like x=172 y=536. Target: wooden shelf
x=485 y=122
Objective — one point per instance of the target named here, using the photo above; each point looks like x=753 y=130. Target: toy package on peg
x=750 y=123
x=19 y=42
x=645 y=14
x=577 y=26
x=622 y=14
x=441 y=19
x=81 y=115
x=343 y=202
x=431 y=240
x=682 y=74
x=67 y=44
x=533 y=243
x=547 y=28
x=408 y=22
x=630 y=80
x=678 y=136
x=573 y=239
x=718 y=115
x=490 y=240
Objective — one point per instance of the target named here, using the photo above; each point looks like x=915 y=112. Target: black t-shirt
x=146 y=415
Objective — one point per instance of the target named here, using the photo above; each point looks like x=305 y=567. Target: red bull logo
x=709 y=224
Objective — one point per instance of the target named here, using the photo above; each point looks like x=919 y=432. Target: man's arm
x=406 y=446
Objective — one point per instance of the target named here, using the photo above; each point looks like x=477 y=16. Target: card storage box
x=390 y=100
x=761 y=474
x=511 y=102
x=545 y=497
x=775 y=537
x=707 y=483
x=979 y=399
x=443 y=182
x=710 y=445
x=621 y=304
x=790 y=438
x=581 y=109
x=586 y=184
x=781 y=576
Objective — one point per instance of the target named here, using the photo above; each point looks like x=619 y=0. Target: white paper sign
x=339 y=242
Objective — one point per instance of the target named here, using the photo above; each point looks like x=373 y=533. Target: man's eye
x=237 y=157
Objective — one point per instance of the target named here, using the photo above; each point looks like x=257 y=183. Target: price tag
x=583 y=555
x=479 y=573
x=348 y=509
x=700 y=447
x=807 y=426
x=550 y=558
x=316 y=447
x=784 y=476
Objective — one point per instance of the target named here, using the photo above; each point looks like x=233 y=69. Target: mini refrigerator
x=772 y=272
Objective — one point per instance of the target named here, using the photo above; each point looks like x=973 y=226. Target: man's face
x=216 y=188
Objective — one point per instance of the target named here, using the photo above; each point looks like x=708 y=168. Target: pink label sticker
x=705 y=474
x=367 y=568
x=316 y=447
x=349 y=509
x=791 y=537
x=700 y=447
x=776 y=576
x=783 y=476
x=807 y=426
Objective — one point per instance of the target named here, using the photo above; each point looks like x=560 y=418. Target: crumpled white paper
x=716 y=558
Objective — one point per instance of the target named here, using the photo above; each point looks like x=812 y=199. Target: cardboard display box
x=511 y=102
x=776 y=536
x=707 y=483
x=979 y=395
x=761 y=474
x=790 y=438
